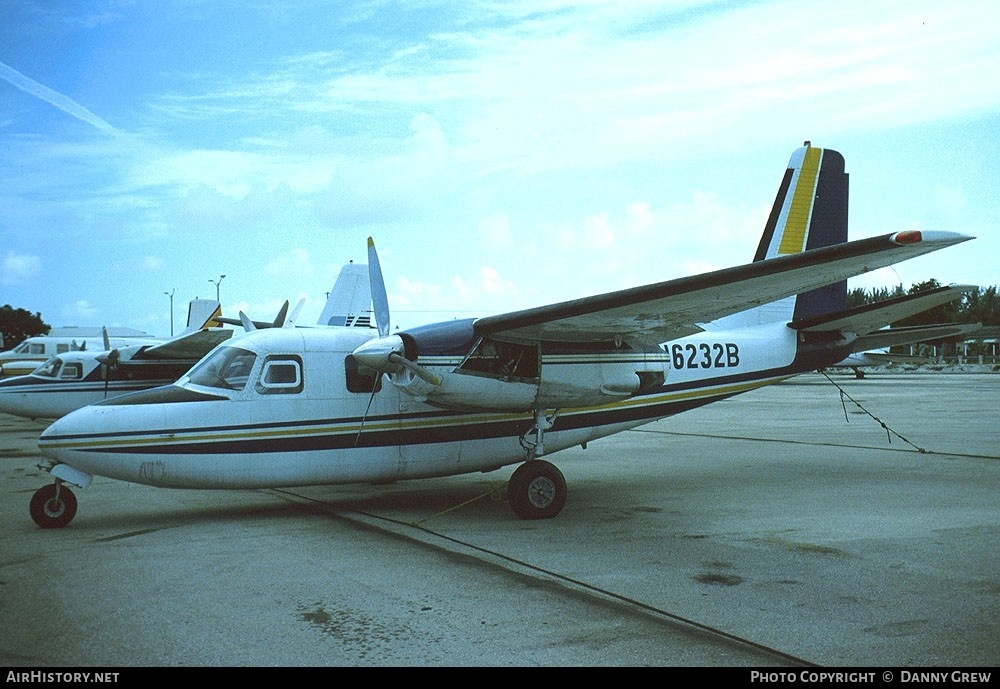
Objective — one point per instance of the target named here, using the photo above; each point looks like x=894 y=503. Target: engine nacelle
x=446 y=365
x=468 y=392
x=582 y=386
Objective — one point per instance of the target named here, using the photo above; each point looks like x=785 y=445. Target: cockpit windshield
x=227 y=368
x=50 y=369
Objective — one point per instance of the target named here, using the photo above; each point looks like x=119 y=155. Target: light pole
x=217 y=283
x=171 y=295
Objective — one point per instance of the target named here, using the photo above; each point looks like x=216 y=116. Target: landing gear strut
x=536 y=490
x=53 y=506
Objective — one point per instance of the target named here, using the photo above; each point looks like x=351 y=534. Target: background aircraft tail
x=350 y=301
x=202 y=314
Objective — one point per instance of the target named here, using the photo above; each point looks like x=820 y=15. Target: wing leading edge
x=660 y=312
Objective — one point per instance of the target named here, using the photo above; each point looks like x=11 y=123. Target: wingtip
x=928 y=236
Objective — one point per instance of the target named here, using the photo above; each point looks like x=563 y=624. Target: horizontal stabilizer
x=896 y=337
x=871 y=317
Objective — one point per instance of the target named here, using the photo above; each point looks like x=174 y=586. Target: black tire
x=50 y=511
x=536 y=490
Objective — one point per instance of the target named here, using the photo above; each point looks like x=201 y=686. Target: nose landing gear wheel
x=53 y=506
x=536 y=490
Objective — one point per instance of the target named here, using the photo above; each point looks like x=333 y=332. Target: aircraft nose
x=56 y=440
x=50 y=435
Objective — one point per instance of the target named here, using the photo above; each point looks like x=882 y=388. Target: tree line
x=17 y=325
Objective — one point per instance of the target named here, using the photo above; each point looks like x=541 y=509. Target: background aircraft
x=292 y=407
x=75 y=379
x=34 y=351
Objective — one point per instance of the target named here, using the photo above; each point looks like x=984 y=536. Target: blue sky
x=503 y=154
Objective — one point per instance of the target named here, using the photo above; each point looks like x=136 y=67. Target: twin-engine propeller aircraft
x=73 y=380
x=293 y=407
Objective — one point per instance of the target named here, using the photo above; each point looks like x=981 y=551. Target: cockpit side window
x=227 y=368
x=281 y=374
x=71 y=370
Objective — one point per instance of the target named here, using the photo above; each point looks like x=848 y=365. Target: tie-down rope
x=888 y=431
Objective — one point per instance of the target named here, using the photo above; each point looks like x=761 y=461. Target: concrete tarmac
x=787 y=526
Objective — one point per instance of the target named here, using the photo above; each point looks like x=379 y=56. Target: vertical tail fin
x=350 y=301
x=202 y=314
x=809 y=212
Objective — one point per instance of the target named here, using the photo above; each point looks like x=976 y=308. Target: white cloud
x=19 y=268
x=294 y=263
x=81 y=312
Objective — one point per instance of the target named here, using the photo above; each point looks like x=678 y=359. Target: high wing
x=660 y=312
x=189 y=346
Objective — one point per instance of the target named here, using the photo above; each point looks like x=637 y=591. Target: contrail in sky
x=67 y=105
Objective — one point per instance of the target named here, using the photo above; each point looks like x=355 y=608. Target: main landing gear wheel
x=536 y=490
x=53 y=506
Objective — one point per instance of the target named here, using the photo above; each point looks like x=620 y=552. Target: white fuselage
x=282 y=428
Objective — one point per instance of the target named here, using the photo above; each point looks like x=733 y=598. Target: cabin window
x=227 y=368
x=361 y=378
x=281 y=374
x=62 y=348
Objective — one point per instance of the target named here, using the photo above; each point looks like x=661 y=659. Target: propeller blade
x=380 y=301
x=109 y=363
x=107 y=340
x=279 y=320
x=247 y=323
x=290 y=321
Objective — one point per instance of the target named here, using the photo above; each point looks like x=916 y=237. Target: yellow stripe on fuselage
x=793 y=239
